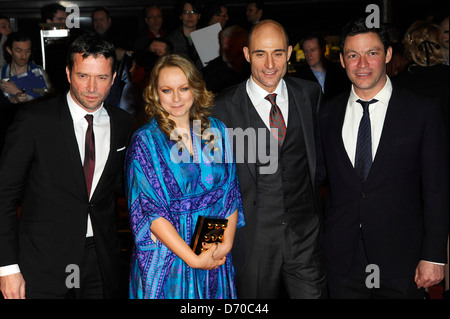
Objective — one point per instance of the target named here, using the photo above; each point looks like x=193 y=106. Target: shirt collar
x=79 y=113
x=383 y=96
x=257 y=94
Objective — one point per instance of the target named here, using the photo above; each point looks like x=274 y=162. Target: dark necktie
x=276 y=119
x=363 y=156
x=89 y=153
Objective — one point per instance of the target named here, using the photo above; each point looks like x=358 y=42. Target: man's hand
x=19 y=98
x=13 y=286
x=9 y=87
x=428 y=274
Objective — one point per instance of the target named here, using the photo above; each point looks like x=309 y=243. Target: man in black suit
x=330 y=75
x=278 y=250
x=65 y=243
x=386 y=155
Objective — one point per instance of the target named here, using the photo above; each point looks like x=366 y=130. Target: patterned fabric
x=160 y=185
x=363 y=156
x=276 y=120
x=89 y=153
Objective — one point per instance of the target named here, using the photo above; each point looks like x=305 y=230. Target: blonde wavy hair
x=203 y=99
x=422 y=42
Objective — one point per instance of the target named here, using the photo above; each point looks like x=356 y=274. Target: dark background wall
x=298 y=16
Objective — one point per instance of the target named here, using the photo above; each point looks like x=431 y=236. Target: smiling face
x=364 y=60
x=90 y=80
x=175 y=95
x=268 y=54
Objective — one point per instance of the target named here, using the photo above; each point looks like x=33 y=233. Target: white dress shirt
x=257 y=97
x=354 y=113
x=102 y=136
x=102 y=145
x=377 y=114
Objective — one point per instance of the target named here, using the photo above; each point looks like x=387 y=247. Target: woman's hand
x=168 y=235
x=221 y=251
x=206 y=260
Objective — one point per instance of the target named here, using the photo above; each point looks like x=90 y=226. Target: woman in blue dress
x=179 y=166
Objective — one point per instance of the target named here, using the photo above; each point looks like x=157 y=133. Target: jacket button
x=363 y=195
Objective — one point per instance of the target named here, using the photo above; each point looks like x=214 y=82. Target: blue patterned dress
x=160 y=185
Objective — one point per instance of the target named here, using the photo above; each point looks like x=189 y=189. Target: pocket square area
x=121 y=149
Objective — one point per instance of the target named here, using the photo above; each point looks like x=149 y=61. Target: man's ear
x=388 y=55
x=342 y=60
x=113 y=77
x=68 y=74
x=289 y=52
x=246 y=54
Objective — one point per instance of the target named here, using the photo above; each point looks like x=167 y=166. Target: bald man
x=277 y=253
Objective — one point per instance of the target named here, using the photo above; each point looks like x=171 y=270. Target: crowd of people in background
x=159 y=39
x=317 y=255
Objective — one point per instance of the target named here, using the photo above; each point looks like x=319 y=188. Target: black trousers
x=353 y=285
x=283 y=265
x=90 y=279
x=91 y=283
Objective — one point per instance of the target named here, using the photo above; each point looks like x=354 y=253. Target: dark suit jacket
x=403 y=205
x=336 y=80
x=42 y=164
x=432 y=81
x=232 y=107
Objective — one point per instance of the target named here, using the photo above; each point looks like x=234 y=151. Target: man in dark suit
x=278 y=250
x=386 y=221
x=66 y=166
x=330 y=75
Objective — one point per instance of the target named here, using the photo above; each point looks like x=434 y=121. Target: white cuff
x=9 y=270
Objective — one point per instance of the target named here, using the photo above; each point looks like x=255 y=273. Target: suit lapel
x=341 y=107
x=392 y=116
x=238 y=109
x=303 y=105
x=71 y=146
x=112 y=150
x=386 y=135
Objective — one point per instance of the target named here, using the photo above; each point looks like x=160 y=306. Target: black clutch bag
x=208 y=230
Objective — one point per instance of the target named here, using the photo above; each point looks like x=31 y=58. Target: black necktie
x=89 y=153
x=363 y=156
x=276 y=119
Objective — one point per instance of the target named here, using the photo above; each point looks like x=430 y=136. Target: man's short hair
x=259 y=4
x=103 y=9
x=48 y=11
x=359 y=26
x=320 y=39
x=91 y=45
x=14 y=37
